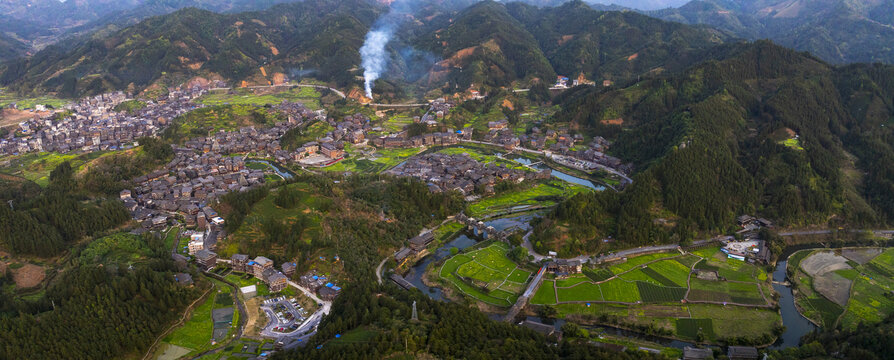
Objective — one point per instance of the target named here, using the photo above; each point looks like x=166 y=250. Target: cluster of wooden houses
x=94 y=125
x=430 y=139
x=443 y=172
x=186 y=186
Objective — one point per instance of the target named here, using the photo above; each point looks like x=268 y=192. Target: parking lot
x=285 y=316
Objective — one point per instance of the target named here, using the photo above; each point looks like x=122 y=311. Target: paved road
x=826 y=232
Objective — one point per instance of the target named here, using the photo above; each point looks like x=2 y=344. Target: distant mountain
x=44 y=22
x=324 y=35
x=488 y=44
x=838 y=31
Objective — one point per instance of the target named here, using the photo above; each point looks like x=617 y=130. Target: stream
x=275 y=168
x=796 y=325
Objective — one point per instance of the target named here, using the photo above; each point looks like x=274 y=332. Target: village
x=93 y=125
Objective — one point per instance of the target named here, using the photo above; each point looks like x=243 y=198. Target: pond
x=561 y=175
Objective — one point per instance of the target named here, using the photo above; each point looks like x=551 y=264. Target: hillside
x=838 y=31
x=10 y=48
x=487 y=44
x=615 y=45
x=323 y=35
x=762 y=129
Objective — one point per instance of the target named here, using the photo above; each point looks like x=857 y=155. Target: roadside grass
x=546 y=294
x=543 y=194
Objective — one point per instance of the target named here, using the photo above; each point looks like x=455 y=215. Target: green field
x=870 y=299
x=544 y=194
x=37 y=166
x=793 y=143
x=381 y=160
x=171 y=237
x=485 y=274
x=638 y=261
x=196 y=333
x=201 y=122
x=484 y=156
x=25 y=103
x=691 y=328
x=672 y=270
x=726 y=321
x=546 y=294
x=308 y=96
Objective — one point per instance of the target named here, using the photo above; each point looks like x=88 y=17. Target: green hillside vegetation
x=293 y=220
x=169 y=49
x=577 y=39
x=836 y=31
x=203 y=121
x=718 y=118
x=143 y=301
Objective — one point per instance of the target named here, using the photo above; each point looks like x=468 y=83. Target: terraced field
x=487 y=275
x=653 y=288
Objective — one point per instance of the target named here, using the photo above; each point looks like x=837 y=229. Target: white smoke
x=373 y=54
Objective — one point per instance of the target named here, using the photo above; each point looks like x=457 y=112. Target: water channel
x=280 y=172
x=796 y=325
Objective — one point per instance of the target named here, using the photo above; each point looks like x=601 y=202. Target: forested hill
x=838 y=31
x=761 y=129
x=11 y=48
x=324 y=34
x=488 y=44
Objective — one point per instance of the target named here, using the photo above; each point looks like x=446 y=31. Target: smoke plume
x=373 y=53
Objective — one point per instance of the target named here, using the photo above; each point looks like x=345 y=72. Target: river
x=795 y=324
x=561 y=175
